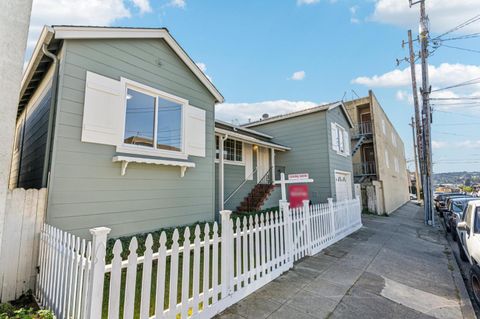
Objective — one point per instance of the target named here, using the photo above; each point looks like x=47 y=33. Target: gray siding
x=234 y=176
x=86 y=188
x=308 y=138
x=336 y=161
x=28 y=160
x=274 y=199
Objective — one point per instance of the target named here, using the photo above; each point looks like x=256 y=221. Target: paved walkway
x=394 y=267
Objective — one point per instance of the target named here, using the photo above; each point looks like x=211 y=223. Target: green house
x=119 y=125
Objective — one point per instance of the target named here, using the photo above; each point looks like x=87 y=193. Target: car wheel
x=475 y=282
x=463 y=256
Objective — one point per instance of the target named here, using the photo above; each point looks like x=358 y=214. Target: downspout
x=221 y=188
x=51 y=117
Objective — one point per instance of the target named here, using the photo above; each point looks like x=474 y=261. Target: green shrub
x=24 y=313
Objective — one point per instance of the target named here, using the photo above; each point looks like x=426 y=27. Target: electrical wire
x=460 y=26
x=465 y=83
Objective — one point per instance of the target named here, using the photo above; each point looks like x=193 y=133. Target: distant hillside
x=465 y=178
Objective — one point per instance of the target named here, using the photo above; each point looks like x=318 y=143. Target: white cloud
x=470 y=144
x=442 y=75
x=444 y=14
x=301 y=2
x=298 y=76
x=178 y=3
x=143 y=5
x=401 y=95
x=240 y=113
x=75 y=12
x=438 y=144
x=203 y=67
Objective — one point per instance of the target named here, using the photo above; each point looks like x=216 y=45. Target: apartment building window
x=397 y=168
x=384 y=128
x=394 y=140
x=387 y=161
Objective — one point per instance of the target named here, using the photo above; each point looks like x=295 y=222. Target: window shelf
x=125 y=160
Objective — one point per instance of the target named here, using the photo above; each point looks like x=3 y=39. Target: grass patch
x=141 y=238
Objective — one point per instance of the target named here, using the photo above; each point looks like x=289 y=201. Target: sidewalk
x=393 y=267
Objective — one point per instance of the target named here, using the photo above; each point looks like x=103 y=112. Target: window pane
x=217 y=147
x=238 y=151
x=169 y=125
x=139 y=120
x=229 y=150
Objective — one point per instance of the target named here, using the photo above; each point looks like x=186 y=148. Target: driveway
x=394 y=267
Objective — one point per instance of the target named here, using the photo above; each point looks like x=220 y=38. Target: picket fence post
x=306 y=214
x=284 y=207
x=97 y=272
x=332 y=217
x=227 y=253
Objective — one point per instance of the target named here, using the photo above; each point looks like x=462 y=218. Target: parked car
x=445 y=212
x=469 y=244
x=455 y=210
x=441 y=199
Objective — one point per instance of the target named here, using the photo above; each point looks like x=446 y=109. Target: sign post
x=292 y=179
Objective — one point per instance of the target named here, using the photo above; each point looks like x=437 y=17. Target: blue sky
x=279 y=56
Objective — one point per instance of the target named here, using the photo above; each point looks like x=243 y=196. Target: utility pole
x=426 y=116
x=418 y=127
x=14 y=23
x=415 y=148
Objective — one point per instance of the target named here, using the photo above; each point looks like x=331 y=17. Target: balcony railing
x=363 y=128
x=365 y=168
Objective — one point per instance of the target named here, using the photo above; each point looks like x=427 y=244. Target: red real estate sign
x=297 y=193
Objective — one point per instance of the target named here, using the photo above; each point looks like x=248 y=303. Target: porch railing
x=363 y=128
x=365 y=168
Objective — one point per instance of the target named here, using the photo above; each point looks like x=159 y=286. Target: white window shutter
x=334 y=137
x=347 y=142
x=248 y=155
x=103 y=110
x=195 y=131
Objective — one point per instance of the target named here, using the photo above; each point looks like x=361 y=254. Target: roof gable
x=320 y=108
x=51 y=34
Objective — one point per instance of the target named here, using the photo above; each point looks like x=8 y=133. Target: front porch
x=246 y=172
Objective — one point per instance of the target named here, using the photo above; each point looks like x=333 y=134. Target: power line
x=462 y=37
x=459 y=48
x=465 y=83
x=460 y=26
x=454 y=98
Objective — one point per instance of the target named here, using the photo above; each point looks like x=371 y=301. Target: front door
x=343 y=185
x=263 y=163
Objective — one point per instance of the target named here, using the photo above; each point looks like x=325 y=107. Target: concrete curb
x=465 y=303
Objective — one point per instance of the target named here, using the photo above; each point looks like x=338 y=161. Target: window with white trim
x=152 y=121
x=384 y=128
x=141 y=120
x=232 y=150
x=387 y=161
x=397 y=167
x=340 y=140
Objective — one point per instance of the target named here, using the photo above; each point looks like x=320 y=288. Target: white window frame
x=397 y=167
x=384 y=128
x=145 y=150
x=235 y=162
x=387 y=160
x=341 y=148
x=394 y=140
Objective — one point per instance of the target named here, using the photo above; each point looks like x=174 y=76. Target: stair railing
x=266 y=179
x=241 y=185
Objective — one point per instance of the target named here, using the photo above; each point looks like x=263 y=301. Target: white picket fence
x=187 y=279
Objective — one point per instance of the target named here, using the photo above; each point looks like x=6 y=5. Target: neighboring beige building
x=378 y=156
